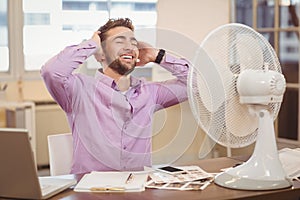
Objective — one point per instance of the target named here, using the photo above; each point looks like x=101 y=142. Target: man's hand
x=147 y=53
x=99 y=56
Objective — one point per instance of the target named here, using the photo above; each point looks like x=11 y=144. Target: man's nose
x=128 y=45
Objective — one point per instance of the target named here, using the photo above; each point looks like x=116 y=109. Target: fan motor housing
x=260 y=86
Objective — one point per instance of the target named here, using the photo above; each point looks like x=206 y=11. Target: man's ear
x=100 y=57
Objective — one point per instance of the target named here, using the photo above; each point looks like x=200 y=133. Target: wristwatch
x=160 y=56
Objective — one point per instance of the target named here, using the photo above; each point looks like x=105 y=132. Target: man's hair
x=112 y=23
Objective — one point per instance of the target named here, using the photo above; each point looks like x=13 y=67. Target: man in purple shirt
x=111 y=113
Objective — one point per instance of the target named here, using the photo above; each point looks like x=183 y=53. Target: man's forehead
x=120 y=31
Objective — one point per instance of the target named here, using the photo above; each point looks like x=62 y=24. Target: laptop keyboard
x=46 y=189
x=50 y=184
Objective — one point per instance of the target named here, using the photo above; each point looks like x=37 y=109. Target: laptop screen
x=18 y=171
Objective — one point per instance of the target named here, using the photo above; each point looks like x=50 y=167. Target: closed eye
x=134 y=43
x=119 y=41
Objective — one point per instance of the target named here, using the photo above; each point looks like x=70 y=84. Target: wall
x=182 y=25
x=193 y=18
x=50 y=119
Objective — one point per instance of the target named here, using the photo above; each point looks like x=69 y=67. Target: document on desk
x=190 y=178
x=290 y=160
x=112 y=182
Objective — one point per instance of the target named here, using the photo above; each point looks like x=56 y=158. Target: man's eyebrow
x=120 y=37
x=124 y=38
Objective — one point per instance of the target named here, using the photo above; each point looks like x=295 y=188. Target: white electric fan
x=235 y=92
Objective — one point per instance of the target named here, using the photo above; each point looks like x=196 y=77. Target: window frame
x=14 y=34
x=276 y=30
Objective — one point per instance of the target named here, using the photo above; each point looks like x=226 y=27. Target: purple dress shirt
x=111 y=130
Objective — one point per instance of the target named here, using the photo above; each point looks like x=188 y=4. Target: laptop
x=18 y=172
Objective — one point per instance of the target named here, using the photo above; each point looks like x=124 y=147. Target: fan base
x=234 y=182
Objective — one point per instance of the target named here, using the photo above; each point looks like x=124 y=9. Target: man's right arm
x=57 y=72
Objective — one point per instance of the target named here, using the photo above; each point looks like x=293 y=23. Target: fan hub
x=260 y=86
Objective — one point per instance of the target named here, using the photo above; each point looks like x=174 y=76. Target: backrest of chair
x=60 y=148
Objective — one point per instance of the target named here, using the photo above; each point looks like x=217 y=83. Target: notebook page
x=112 y=181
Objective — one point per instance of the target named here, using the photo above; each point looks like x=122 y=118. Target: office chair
x=60 y=148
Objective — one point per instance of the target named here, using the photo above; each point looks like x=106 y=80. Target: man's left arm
x=170 y=92
x=173 y=91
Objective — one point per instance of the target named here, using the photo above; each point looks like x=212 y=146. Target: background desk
x=21 y=115
x=213 y=191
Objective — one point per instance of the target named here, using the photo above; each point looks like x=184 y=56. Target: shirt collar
x=105 y=79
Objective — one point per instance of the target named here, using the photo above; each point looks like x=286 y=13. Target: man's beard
x=121 y=68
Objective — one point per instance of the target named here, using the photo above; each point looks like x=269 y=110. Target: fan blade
x=206 y=146
x=207 y=77
x=239 y=121
x=249 y=59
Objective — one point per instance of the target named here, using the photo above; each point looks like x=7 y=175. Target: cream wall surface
x=182 y=25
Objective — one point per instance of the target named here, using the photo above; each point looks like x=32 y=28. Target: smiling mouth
x=127 y=57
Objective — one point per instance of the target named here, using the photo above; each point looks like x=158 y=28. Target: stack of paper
x=112 y=182
x=191 y=178
x=290 y=160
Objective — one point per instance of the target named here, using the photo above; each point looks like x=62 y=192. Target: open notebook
x=18 y=174
x=112 y=182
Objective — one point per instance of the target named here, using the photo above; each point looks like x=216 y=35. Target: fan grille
x=213 y=97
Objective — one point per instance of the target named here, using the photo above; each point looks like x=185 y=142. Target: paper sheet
x=192 y=178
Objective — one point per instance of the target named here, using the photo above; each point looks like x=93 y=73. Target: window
x=32 y=31
x=278 y=21
x=50 y=25
x=4 y=51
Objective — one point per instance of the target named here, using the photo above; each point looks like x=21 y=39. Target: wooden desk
x=213 y=191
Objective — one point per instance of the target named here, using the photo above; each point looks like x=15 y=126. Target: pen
x=107 y=189
x=129 y=178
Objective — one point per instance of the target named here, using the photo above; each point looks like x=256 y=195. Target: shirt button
x=124 y=147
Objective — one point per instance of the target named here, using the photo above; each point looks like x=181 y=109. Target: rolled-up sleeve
x=57 y=73
x=173 y=91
